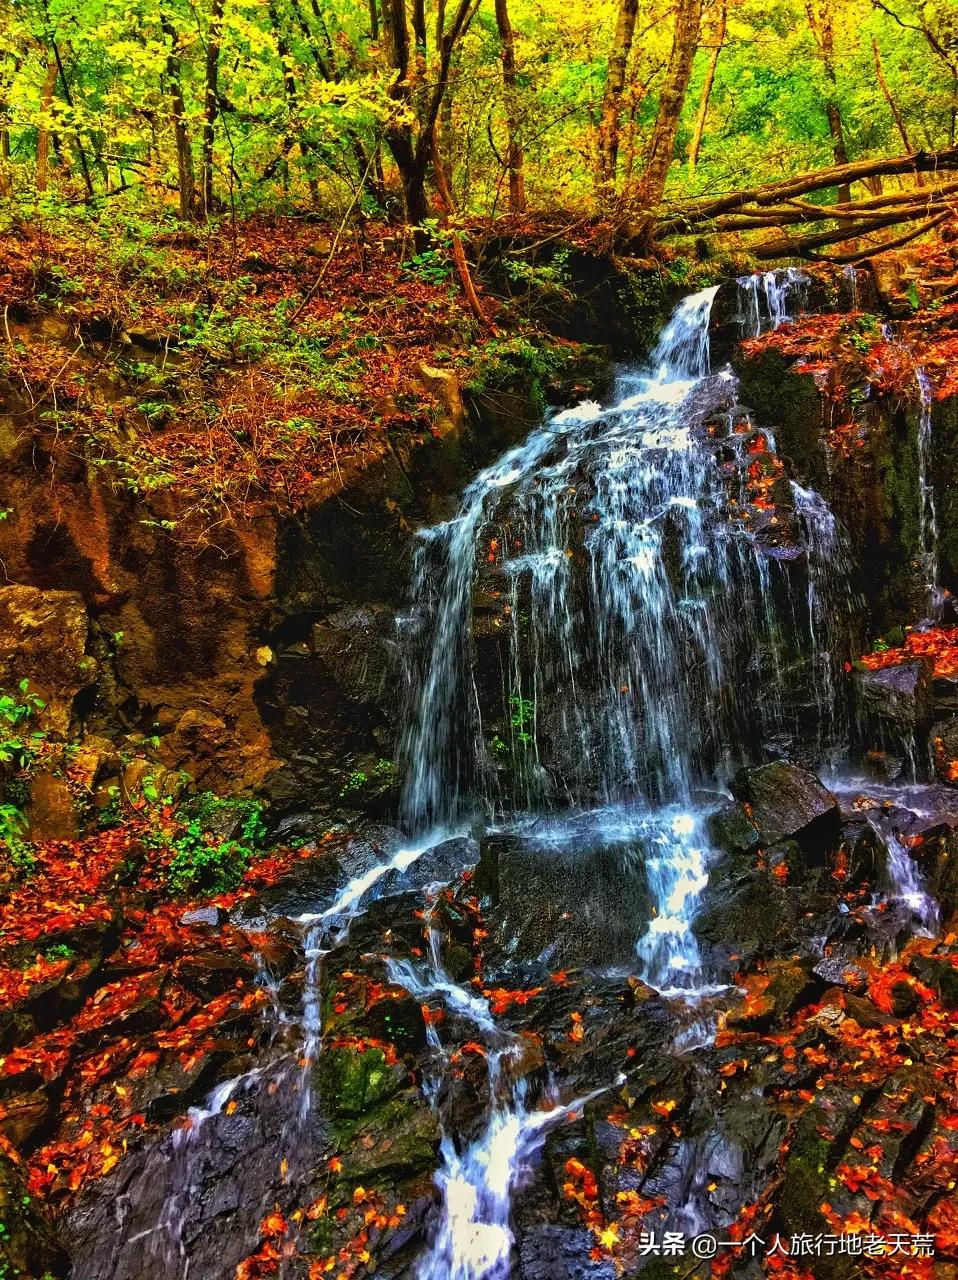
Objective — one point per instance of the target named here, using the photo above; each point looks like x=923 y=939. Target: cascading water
x=768 y=299
x=829 y=616
x=631 y=601
x=927 y=514
x=631 y=590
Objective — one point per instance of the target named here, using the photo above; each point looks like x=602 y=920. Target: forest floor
x=244 y=367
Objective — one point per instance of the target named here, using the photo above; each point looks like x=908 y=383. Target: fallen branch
x=690 y=216
x=860 y=255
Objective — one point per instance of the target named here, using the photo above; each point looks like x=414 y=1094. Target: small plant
x=16 y=747
x=355 y=781
x=432 y=266
x=204 y=861
x=198 y=865
x=522 y=714
x=59 y=951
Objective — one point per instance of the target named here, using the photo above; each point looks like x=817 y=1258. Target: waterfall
x=629 y=594
x=927 y=515
x=630 y=583
x=829 y=616
x=768 y=298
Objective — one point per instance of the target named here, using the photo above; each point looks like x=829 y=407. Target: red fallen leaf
x=500 y=999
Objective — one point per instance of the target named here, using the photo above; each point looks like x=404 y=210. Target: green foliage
x=432 y=265
x=59 y=951
x=208 y=843
x=354 y=782
x=308 y=95
x=16 y=746
x=200 y=865
x=521 y=715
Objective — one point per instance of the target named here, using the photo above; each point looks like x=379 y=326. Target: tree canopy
x=427 y=108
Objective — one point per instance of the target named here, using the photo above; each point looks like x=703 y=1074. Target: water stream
x=634 y=594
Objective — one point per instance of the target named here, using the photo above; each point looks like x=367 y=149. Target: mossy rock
x=29 y=1249
x=354 y=1082
x=398 y=1141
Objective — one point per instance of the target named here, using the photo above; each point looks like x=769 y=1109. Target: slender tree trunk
x=820 y=24
x=185 y=175
x=514 y=157
x=211 y=105
x=893 y=105
x=65 y=84
x=700 y=116
x=614 y=85
x=43 y=132
x=661 y=148
x=458 y=253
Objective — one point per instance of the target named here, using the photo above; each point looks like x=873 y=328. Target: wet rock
x=742 y=915
x=23 y=1116
x=793 y=985
x=895 y=700
x=43 y=637
x=785 y=802
x=307 y=886
x=731 y=829
x=396 y=1141
x=353 y=1082
x=943 y=737
x=566 y=903
x=29 y=1248
x=212 y=917
x=939 y=971
x=16 y=1027
x=195 y=1197
x=841 y=971
x=757 y=1014
x=209 y=974
x=864 y=1012
x=555 y=1252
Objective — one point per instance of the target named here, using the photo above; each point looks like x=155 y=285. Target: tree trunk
x=614 y=85
x=893 y=105
x=700 y=116
x=458 y=253
x=661 y=148
x=43 y=132
x=820 y=24
x=211 y=104
x=65 y=84
x=514 y=157
x=185 y=175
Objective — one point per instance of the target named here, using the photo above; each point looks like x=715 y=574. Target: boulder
x=895 y=700
x=43 y=637
x=50 y=810
x=785 y=802
x=566 y=904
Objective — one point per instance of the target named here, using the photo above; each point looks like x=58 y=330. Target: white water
x=633 y=608
x=927 y=513
x=769 y=298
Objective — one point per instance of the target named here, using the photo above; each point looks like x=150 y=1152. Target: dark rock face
x=200 y=1193
x=571 y=903
x=896 y=700
x=784 y=802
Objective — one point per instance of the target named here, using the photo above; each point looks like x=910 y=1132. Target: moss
x=354 y=1082
x=806 y=1186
